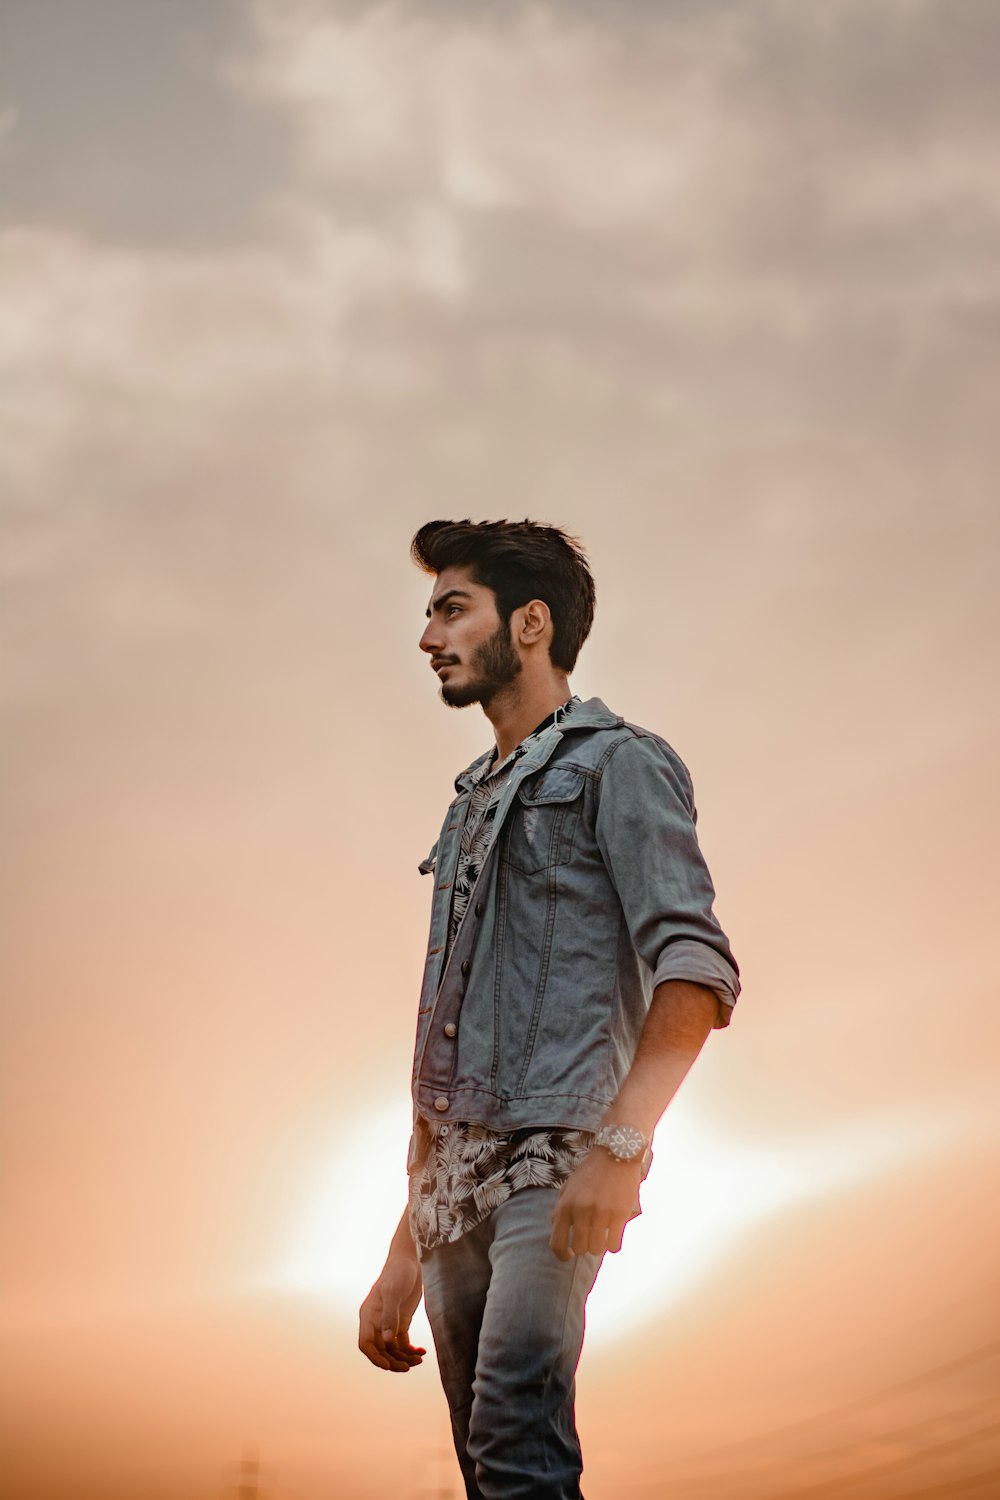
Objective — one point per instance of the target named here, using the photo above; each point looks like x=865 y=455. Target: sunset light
x=703 y=1195
x=714 y=288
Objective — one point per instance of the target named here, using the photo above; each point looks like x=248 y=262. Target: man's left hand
x=595 y=1204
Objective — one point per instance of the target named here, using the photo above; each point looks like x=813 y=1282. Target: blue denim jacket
x=593 y=891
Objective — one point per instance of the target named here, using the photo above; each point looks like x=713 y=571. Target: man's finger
x=559 y=1240
x=587 y=1229
x=371 y=1351
x=404 y=1345
x=616 y=1233
x=401 y=1348
x=384 y=1356
x=595 y=1242
x=390 y=1317
x=388 y=1328
x=371 y=1344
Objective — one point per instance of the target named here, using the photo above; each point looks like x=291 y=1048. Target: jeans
x=507 y=1318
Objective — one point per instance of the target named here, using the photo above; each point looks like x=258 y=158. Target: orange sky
x=713 y=287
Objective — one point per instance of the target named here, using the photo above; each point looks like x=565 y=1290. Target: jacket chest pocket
x=543 y=821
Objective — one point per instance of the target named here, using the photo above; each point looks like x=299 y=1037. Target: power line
x=963 y=1361
x=892 y=1463
x=948 y=1487
x=893 y=1434
x=908 y=1431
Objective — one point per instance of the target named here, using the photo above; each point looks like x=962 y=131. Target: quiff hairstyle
x=519 y=561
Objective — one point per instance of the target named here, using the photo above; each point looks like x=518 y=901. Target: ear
x=535 y=623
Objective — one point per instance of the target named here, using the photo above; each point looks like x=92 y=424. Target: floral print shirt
x=467 y=1170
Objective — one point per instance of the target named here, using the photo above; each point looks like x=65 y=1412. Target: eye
x=454 y=609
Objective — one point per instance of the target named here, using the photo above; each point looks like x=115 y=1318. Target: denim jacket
x=593 y=891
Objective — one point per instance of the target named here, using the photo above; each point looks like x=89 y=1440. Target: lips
x=436 y=666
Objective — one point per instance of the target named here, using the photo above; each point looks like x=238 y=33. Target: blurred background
x=716 y=287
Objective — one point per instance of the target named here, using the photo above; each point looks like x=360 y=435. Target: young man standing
x=574 y=970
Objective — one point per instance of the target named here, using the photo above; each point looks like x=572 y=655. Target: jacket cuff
x=699 y=964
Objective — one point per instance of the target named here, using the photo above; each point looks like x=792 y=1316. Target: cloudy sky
x=714 y=284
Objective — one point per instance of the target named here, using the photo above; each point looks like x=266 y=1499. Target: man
x=574 y=970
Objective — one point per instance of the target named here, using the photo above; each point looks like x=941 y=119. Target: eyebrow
x=439 y=603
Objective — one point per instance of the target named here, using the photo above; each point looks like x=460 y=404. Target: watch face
x=623 y=1141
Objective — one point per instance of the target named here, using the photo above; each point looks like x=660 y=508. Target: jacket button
x=479 y=908
x=441 y=1102
x=466 y=966
x=451 y=1029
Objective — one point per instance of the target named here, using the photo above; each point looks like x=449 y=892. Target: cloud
x=123 y=133
x=548 y=113
x=704 y=127
x=732 y=254
x=730 y=212
x=682 y=217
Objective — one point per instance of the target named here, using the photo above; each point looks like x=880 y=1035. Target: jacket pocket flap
x=560 y=784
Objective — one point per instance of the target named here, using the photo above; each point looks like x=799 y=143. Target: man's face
x=468 y=644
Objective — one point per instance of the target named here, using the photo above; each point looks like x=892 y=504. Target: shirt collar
x=586 y=717
x=492 y=767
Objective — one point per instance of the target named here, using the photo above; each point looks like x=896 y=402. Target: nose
x=430 y=641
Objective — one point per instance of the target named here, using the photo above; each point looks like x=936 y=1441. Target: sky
x=716 y=287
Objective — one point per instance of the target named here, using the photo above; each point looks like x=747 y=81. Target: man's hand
x=595 y=1204
x=384 y=1335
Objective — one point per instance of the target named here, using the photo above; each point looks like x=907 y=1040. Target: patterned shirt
x=467 y=1170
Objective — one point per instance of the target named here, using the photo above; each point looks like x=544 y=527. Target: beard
x=494 y=666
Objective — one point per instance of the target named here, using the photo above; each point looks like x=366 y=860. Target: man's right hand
x=384 y=1337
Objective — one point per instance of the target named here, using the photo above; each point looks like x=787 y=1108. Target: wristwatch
x=624 y=1142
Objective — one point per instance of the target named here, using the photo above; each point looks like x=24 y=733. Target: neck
x=519 y=709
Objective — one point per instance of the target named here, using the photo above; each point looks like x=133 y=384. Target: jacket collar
x=585 y=718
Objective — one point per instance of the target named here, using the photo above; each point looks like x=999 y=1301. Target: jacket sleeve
x=646 y=834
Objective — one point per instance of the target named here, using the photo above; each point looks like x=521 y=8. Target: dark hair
x=519 y=560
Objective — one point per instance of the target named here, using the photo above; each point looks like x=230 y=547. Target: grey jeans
x=508 y=1318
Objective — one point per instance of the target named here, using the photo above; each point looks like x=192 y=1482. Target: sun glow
x=702 y=1195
